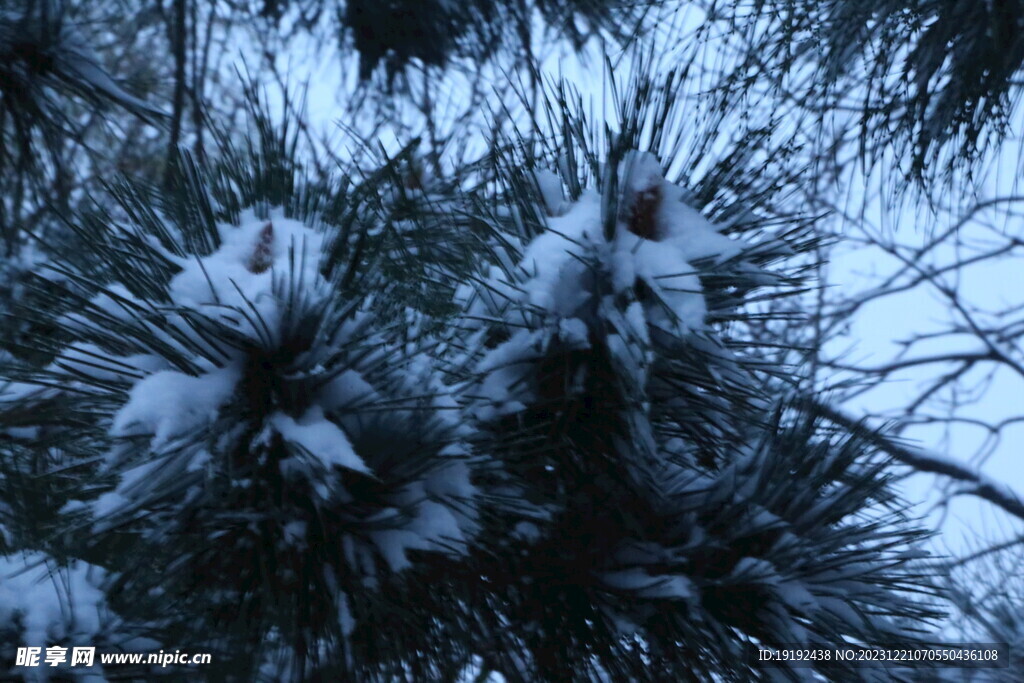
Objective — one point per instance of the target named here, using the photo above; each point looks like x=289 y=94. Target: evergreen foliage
x=988 y=593
x=44 y=58
x=392 y=34
x=933 y=81
x=376 y=426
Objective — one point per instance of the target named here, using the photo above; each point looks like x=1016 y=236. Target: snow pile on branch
x=43 y=605
x=268 y=421
x=643 y=457
x=576 y=287
x=252 y=408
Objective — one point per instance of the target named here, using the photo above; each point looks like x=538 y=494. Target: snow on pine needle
x=256 y=417
x=43 y=603
x=641 y=455
x=275 y=426
x=636 y=298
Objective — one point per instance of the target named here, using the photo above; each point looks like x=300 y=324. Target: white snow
x=690 y=232
x=675 y=587
x=243 y=284
x=678 y=223
x=552 y=295
x=223 y=285
x=551 y=259
x=506 y=368
x=320 y=437
x=294 y=532
x=573 y=333
x=54 y=603
x=345 y=618
x=347 y=391
x=170 y=403
x=226 y=280
x=796 y=595
x=558 y=267
x=454 y=479
x=434 y=526
x=664 y=269
x=641 y=172
x=92 y=361
x=107 y=505
x=551 y=191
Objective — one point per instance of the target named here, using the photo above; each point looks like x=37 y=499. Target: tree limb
x=980 y=485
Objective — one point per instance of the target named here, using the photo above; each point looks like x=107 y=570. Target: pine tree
x=395 y=33
x=378 y=426
x=932 y=82
x=57 y=99
x=44 y=60
x=987 y=592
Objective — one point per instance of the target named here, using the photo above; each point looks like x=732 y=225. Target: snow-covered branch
x=923 y=461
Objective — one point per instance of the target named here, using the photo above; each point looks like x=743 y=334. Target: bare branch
x=922 y=461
